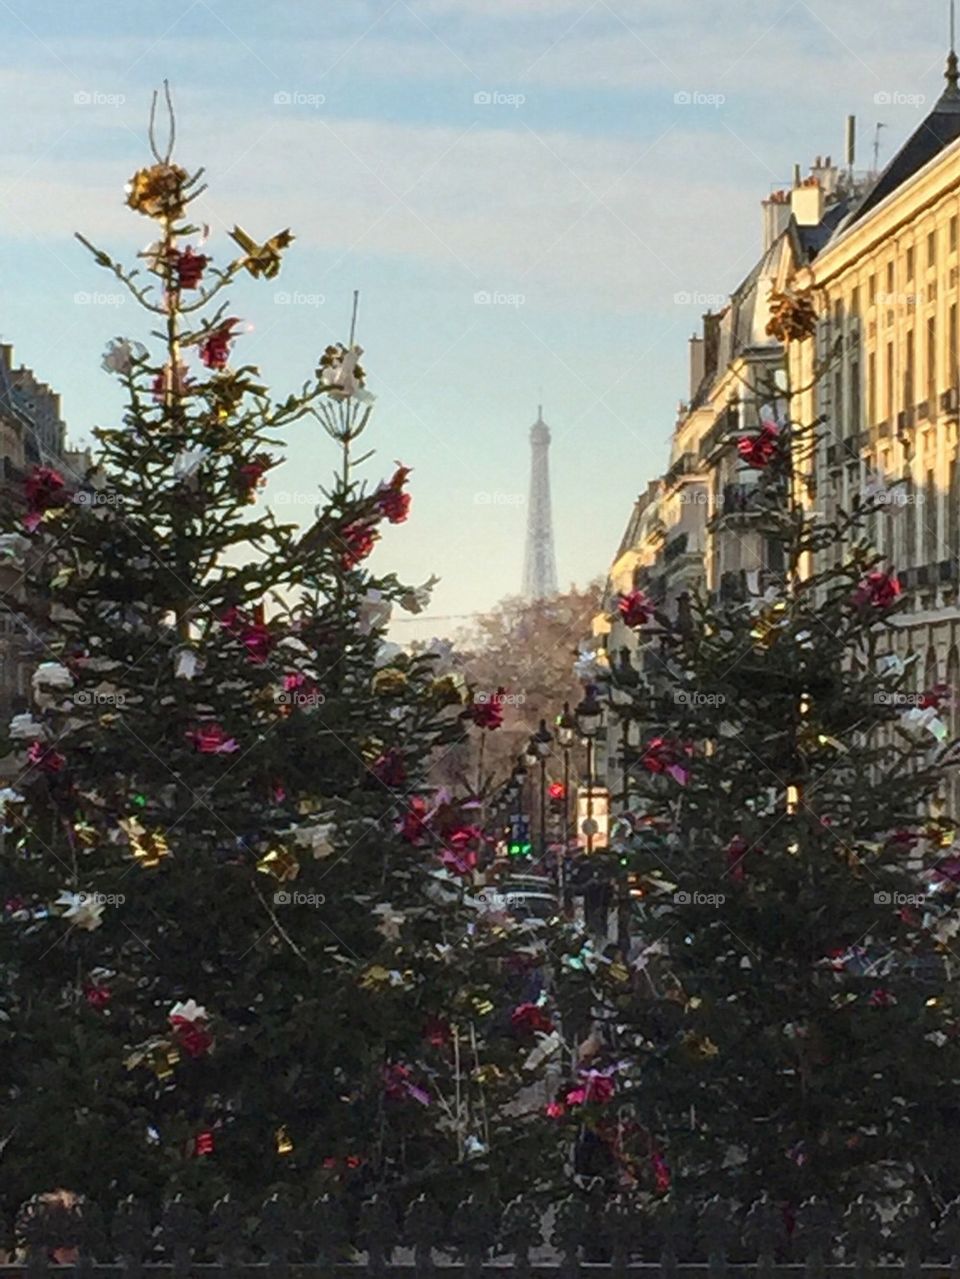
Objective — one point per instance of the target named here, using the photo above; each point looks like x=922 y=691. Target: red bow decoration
x=635 y=609
x=212 y=739
x=597 y=1086
x=203 y=1143
x=192 y=1036
x=398 y=1085
x=737 y=851
x=358 y=541
x=215 y=348
x=759 y=450
x=880 y=589
x=413 y=826
x=44 y=489
x=45 y=758
x=389 y=768
x=528 y=1019
x=392 y=502
x=664 y=756
x=487 y=711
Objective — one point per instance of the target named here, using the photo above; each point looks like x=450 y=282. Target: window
x=856 y=425
x=931 y=250
x=855 y=301
x=889 y=282
x=911 y=261
x=952 y=338
x=909 y=523
x=872 y=289
x=872 y=388
x=952 y=233
x=838 y=431
x=909 y=382
x=953 y=509
x=932 y=363
x=888 y=388
x=930 y=542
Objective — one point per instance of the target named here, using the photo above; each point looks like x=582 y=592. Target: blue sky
x=575 y=191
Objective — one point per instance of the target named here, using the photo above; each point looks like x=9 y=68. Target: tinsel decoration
x=158 y=1055
x=85 y=834
x=148 y=847
x=389 y=682
x=279 y=863
x=793 y=316
x=768 y=624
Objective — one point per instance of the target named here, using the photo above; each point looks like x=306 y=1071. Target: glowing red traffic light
x=556 y=790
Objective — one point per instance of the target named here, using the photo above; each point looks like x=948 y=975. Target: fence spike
x=520 y=1232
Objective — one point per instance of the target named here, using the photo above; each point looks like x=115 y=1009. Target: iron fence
x=581 y=1236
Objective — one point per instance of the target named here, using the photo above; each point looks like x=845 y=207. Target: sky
x=537 y=199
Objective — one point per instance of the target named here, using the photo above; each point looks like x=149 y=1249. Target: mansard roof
x=935 y=134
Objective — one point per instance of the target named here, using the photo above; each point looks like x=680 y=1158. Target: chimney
x=776 y=217
x=851 y=142
x=826 y=174
x=698 y=364
x=807 y=204
x=796 y=175
x=711 y=343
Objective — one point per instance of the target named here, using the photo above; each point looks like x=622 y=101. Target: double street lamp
x=589 y=718
x=566 y=727
x=540 y=744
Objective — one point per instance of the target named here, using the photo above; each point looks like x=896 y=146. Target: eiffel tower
x=539 y=562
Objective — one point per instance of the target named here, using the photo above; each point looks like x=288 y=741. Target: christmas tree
x=244 y=944
x=787 y=1023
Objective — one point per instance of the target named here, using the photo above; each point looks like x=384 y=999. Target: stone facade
x=887 y=292
x=32 y=433
x=694 y=530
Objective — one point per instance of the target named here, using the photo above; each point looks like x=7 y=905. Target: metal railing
x=587 y=1233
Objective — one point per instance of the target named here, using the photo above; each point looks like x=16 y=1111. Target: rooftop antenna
x=876 y=146
x=953 y=67
x=353 y=317
x=851 y=144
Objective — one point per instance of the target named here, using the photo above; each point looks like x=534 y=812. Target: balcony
x=10 y=473
x=741 y=499
x=733 y=587
x=726 y=425
x=925 y=576
x=675 y=547
x=906 y=421
x=649 y=580
x=684 y=465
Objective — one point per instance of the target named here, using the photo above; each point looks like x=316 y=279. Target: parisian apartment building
x=32 y=433
x=880 y=256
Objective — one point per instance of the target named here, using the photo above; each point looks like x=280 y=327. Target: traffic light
x=519 y=845
x=558 y=797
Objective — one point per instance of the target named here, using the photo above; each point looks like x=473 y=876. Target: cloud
x=549 y=213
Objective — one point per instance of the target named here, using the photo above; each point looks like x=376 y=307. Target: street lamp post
x=589 y=715
x=530 y=759
x=566 y=727
x=541 y=742
x=517 y=779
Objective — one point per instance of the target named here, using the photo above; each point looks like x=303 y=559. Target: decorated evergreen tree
x=243 y=942
x=787 y=1022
